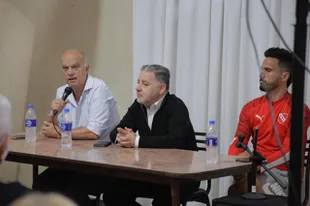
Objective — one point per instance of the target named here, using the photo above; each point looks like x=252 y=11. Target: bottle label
x=66 y=127
x=211 y=141
x=30 y=123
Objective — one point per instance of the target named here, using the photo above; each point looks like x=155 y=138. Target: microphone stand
x=257 y=160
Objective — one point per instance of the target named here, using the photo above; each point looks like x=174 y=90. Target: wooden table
x=166 y=166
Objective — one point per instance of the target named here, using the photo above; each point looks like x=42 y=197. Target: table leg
x=35 y=172
x=175 y=192
x=249 y=186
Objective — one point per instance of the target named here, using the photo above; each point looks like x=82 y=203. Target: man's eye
x=75 y=66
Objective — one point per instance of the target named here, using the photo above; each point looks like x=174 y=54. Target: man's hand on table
x=49 y=131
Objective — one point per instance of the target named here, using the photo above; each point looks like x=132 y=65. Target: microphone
x=255 y=140
x=257 y=158
x=65 y=95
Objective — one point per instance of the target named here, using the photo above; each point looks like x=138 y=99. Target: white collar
x=157 y=104
x=89 y=85
x=89 y=82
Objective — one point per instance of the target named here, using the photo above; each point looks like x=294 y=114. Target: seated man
x=156 y=119
x=275 y=79
x=94 y=114
x=8 y=191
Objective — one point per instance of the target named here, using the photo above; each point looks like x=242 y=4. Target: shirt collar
x=89 y=83
x=157 y=104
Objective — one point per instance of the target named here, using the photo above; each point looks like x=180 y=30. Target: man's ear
x=163 y=88
x=87 y=67
x=286 y=76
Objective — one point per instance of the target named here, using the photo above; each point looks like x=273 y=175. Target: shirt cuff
x=137 y=141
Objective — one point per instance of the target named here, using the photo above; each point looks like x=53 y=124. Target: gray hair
x=48 y=199
x=5 y=118
x=162 y=74
x=85 y=60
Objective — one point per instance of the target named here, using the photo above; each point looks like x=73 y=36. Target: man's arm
x=244 y=128
x=179 y=126
x=51 y=117
x=99 y=115
x=277 y=158
x=79 y=133
x=127 y=121
x=83 y=133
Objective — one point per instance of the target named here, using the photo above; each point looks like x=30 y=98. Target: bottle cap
x=211 y=122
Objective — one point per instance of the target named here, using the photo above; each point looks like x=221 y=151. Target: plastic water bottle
x=66 y=129
x=212 y=149
x=31 y=124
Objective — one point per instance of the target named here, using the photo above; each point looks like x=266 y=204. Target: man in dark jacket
x=156 y=119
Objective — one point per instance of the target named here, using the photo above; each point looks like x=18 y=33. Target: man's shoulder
x=98 y=83
x=174 y=102
x=98 y=80
x=174 y=99
x=307 y=113
x=306 y=108
x=256 y=102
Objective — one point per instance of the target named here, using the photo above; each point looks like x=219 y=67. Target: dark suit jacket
x=171 y=127
x=10 y=192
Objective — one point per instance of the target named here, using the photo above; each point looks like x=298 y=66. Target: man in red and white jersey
x=275 y=79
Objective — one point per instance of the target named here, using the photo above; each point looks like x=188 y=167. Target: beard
x=263 y=86
x=139 y=100
x=266 y=87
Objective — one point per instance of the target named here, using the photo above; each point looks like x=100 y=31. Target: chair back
x=201 y=140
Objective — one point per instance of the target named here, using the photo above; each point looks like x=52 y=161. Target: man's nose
x=138 y=87
x=70 y=71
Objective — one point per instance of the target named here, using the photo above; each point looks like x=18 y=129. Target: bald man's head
x=75 y=54
x=75 y=68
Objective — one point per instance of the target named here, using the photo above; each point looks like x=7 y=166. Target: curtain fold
x=206 y=46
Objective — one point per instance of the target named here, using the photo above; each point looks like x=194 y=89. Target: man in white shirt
x=92 y=106
x=94 y=114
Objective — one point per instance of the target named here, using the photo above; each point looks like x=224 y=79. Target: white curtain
x=206 y=46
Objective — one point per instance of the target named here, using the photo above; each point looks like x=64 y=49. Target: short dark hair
x=285 y=60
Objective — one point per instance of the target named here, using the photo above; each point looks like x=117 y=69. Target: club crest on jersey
x=282 y=117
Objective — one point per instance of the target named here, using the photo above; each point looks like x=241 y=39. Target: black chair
x=200 y=195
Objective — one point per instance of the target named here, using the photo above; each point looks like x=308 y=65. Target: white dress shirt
x=150 y=116
x=96 y=110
